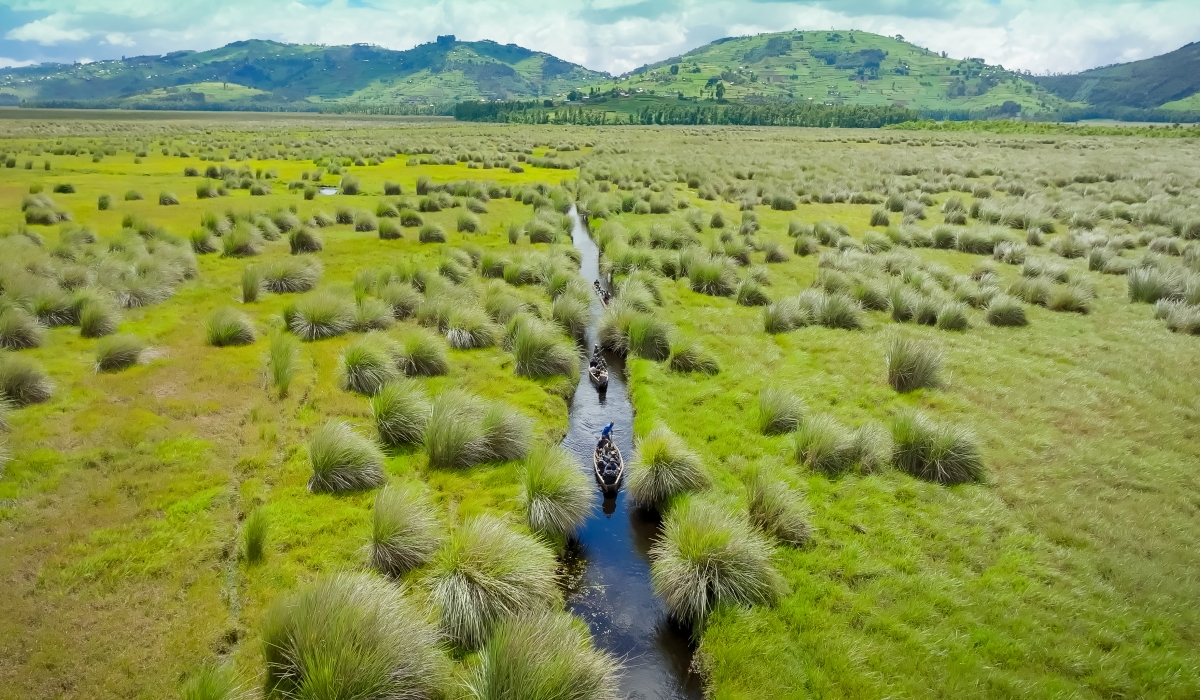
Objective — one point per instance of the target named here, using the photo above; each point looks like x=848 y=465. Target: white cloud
x=119 y=39
x=48 y=31
x=13 y=63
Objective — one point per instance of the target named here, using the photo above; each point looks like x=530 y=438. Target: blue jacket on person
x=607 y=430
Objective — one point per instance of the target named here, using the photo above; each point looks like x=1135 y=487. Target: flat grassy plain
x=1070 y=570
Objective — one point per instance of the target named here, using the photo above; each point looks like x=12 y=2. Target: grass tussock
x=776 y=510
x=944 y=454
x=1004 y=310
x=422 y=355
x=707 y=558
x=117 y=352
x=319 y=316
x=406 y=532
x=351 y=636
x=690 y=356
x=343 y=460
x=556 y=495
x=663 y=467
x=282 y=362
x=20 y=331
x=401 y=411
x=488 y=574
x=779 y=411
x=912 y=364
x=254 y=535
x=23 y=381
x=367 y=364
x=542 y=656
x=540 y=352
x=213 y=682
x=228 y=327
x=290 y=275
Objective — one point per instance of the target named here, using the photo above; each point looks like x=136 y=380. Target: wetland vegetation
x=916 y=409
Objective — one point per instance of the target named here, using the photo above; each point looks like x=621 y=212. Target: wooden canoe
x=609 y=483
x=599 y=377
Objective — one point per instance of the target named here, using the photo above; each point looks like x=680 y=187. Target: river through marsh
x=610 y=590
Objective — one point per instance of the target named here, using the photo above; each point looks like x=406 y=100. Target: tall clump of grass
x=254 y=535
x=912 y=364
x=453 y=436
x=401 y=412
x=690 y=356
x=539 y=352
x=555 y=494
x=290 y=275
x=351 y=636
x=544 y=655
x=23 y=381
x=319 y=316
x=251 y=284
x=775 y=510
x=422 y=355
x=367 y=364
x=487 y=574
x=406 y=532
x=282 y=362
x=19 y=330
x=117 y=352
x=1004 y=310
x=213 y=682
x=823 y=445
x=226 y=327
x=97 y=319
x=664 y=467
x=779 y=411
x=343 y=460
x=944 y=454
x=707 y=558
x=506 y=433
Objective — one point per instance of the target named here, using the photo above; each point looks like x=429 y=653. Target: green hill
x=1163 y=81
x=262 y=73
x=835 y=67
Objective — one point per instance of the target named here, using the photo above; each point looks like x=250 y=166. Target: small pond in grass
x=328 y=190
x=610 y=562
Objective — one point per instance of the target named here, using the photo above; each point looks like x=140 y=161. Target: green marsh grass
x=776 y=510
x=117 y=352
x=422 y=355
x=282 y=362
x=912 y=364
x=290 y=275
x=19 y=330
x=540 y=656
x=343 y=460
x=487 y=574
x=937 y=452
x=23 y=381
x=213 y=682
x=540 y=352
x=351 y=636
x=319 y=316
x=254 y=535
x=779 y=411
x=690 y=356
x=706 y=558
x=227 y=327
x=406 y=532
x=556 y=495
x=663 y=466
x=367 y=364
x=251 y=284
x=823 y=445
x=401 y=409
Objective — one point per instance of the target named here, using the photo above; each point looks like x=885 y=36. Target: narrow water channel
x=611 y=591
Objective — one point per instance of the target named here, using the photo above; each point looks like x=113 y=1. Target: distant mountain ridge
x=848 y=68
x=442 y=71
x=1146 y=84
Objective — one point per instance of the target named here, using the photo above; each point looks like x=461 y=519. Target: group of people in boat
x=608 y=458
x=605 y=295
x=598 y=369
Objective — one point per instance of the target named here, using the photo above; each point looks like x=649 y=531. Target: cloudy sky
x=608 y=35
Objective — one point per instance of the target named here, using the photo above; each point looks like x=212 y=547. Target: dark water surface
x=611 y=589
